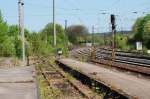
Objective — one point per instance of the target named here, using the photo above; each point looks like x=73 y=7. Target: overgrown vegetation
x=9 y=41
x=141 y=29
x=41 y=43
x=123 y=41
x=37 y=43
x=77 y=34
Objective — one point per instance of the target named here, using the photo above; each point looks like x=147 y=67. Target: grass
x=50 y=92
x=44 y=89
x=47 y=92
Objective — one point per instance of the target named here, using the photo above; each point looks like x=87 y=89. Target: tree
x=8 y=48
x=6 y=43
x=37 y=43
x=122 y=42
x=11 y=44
x=42 y=42
x=146 y=34
x=77 y=33
x=138 y=29
x=3 y=29
x=47 y=33
x=1 y=17
x=13 y=30
x=142 y=30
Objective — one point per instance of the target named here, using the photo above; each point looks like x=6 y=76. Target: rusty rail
x=81 y=88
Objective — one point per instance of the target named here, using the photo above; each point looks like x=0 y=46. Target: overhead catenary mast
x=54 y=24
x=21 y=28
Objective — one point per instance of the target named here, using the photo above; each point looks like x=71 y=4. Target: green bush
x=8 y=48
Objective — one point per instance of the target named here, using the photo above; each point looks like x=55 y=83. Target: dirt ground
x=6 y=62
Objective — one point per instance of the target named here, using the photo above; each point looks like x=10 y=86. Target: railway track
x=124 y=60
x=124 y=57
x=69 y=88
x=127 y=53
x=130 y=86
x=89 y=78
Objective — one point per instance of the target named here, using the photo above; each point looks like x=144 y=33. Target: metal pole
x=54 y=24
x=21 y=27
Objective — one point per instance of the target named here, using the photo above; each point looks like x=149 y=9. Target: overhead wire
x=46 y=6
x=75 y=8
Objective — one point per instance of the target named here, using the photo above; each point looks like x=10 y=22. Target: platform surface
x=18 y=83
x=126 y=84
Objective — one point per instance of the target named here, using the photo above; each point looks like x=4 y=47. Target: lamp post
x=21 y=28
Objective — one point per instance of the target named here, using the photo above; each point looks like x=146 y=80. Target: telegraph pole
x=54 y=24
x=66 y=36
x=113 y=23
x=21 y=28
x=104 y=39
x=93 y=53
x=66 y=25
x=93 y=30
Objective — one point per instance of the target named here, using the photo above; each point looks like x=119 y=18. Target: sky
x=85 y=12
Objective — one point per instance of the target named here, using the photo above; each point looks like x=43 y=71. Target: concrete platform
x=18 y=83
x=129 y=85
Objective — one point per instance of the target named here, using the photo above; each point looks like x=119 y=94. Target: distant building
x=139 y=46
